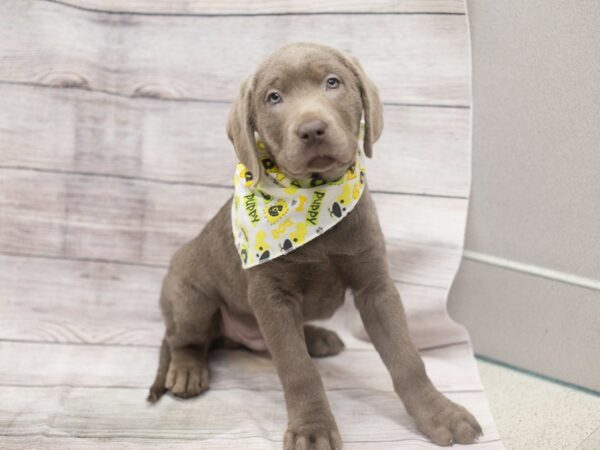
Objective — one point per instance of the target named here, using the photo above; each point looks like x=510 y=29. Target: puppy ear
x=240 y=130
x=372 y=106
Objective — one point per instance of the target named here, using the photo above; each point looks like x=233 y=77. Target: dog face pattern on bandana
x=280 y=214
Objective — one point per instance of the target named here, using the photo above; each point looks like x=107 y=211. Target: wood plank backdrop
x=113 y=153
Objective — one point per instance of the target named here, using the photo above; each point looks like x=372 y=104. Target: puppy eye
x=333 y=83
x=274 y=97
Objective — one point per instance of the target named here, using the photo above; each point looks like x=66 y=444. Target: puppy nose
x=312 y=131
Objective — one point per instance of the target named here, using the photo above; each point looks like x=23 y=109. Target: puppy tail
x=158 y=387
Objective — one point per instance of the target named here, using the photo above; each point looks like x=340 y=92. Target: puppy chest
x=321 y=300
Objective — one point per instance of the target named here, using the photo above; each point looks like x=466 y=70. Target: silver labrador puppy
x=306 y=103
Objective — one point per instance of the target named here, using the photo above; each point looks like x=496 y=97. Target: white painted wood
x=108 y=366
x=422 y=150
x=142 y=222
x=90 y=415
x=103 y=183
x=85 y=302
x=215 y=443
x=424 y=59
x=269 y=6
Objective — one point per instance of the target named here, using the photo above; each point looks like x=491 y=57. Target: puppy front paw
x=319 y=434
x=445 y=422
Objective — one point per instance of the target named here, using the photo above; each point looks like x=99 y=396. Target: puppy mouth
x=321 y=163
x=327 y=167
x=318 y=165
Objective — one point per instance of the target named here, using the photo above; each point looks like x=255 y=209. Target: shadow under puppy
x=300 y=230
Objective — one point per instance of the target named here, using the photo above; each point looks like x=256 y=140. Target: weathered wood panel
x=107 y=366
x=208 y=7
x=422 y=150
x=144 y=222
x=103 y=183
x=87 y=302
x=215 y=443
x=423 y=61
x=209 y=420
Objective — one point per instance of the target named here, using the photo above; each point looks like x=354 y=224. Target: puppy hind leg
x=192 y=323
x=321 y=342
x=188 y=371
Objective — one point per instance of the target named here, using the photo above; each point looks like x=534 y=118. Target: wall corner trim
x=532 y=269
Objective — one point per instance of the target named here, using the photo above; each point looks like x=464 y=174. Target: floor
x=534 y=413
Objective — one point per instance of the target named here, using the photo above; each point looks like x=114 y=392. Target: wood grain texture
x=422 y=150
x=424 y=60
x=90 y=302
x=215 y=443
x=111 y=367
x=143 y=222
x=90 y=414
x=113 y=153
x=207 y=7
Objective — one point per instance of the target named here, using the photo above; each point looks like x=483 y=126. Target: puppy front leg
x=279 y=316
x=382 y=313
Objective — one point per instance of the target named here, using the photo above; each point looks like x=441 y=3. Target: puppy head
x=306 y=102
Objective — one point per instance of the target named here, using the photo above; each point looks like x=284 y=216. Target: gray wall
x=529 y=285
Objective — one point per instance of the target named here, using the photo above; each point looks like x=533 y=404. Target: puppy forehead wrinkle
x=295 y=63
x=272 y=81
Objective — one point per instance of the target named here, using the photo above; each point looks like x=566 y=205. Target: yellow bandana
x=279 y=214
